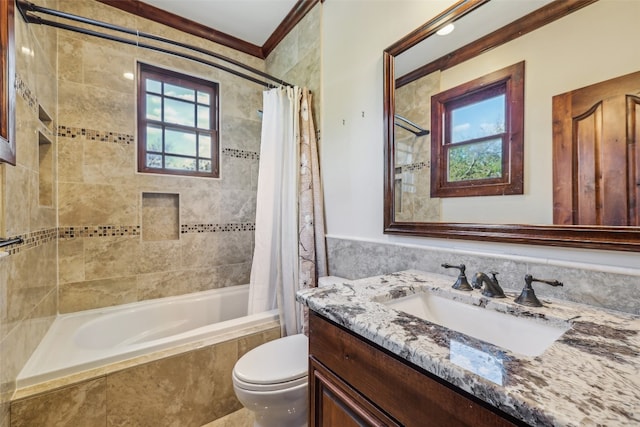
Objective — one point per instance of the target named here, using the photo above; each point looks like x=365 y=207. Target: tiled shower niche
x=160 y=216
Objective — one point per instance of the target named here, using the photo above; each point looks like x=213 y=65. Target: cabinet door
x=334 y=403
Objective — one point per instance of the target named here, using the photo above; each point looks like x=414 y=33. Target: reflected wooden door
x=596 y=130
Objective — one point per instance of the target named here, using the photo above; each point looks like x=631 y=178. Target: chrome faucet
x=492 y=288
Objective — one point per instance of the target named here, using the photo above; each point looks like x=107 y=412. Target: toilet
x=272 y=379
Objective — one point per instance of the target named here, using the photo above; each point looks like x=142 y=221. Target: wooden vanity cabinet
x=356 y=383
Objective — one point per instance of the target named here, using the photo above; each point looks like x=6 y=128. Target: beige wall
x=186 y=234
x=28 y=274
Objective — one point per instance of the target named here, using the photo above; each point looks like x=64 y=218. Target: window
x=7 y=90
x=477 y=136
x=177 y=123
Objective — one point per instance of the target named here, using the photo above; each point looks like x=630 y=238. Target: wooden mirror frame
x=7 y=82
x=592 y=237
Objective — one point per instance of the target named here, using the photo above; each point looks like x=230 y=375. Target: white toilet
x=272 y=379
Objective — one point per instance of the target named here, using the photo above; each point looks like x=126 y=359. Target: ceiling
x=252 y=21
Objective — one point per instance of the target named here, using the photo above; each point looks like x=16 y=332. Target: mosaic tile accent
x=23 y=90
x=95 y=135
x=412 y=167
x=216 y=228
x=98 y=231
x=30 y=240
x=241 y=154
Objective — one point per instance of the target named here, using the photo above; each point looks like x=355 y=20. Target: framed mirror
x=565 y=45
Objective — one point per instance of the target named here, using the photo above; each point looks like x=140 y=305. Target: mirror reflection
x=592 y=45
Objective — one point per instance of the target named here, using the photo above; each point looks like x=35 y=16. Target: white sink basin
x=517 y=334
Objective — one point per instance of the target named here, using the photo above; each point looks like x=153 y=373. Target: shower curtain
x=289 y=251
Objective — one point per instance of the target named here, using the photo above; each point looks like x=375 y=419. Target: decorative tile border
x=23 y=90
x=412 y=167
x=98 y=231
x=31 y=240
x=216 y=228
x=241 y=154
x=95 y=135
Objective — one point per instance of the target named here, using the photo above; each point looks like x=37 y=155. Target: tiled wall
x=615 y=289
x=296 y=59
x=413 y=153
x=28 y=209
x=113 y=249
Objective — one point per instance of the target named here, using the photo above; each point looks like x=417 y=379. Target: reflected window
x=477 y=142
x=177 y=123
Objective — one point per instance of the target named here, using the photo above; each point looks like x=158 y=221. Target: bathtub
x=80 y=341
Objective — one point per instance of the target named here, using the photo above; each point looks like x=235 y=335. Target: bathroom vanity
x=373 y=363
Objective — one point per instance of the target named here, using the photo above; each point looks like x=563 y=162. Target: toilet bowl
x=272 y=379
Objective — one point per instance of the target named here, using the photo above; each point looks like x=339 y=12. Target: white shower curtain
x=276 y=270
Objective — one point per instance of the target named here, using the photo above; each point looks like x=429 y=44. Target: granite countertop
x=590 y=376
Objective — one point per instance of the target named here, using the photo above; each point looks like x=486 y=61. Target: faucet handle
x=528 y=295
x=462 y=284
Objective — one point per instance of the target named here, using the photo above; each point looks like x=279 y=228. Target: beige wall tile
x=237 y=206
x=160 y=256
x=96 y=293
x=200 y=204
x=70 y=52
x=71 y=261
x=70 y=160
x=104 y=64
x=22 y=340
x=93 y=204
x=18 y=200
x=108 y=163
x=26 y=135
x=78 y=405
x=163 y=284
x=94 y=107
x=106 y=257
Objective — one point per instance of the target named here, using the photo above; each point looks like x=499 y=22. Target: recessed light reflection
x=26 y=51
x=128 y=76
x=447 y=29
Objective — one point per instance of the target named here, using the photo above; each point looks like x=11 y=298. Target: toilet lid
x=277 y=361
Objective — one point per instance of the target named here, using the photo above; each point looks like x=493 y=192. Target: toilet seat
x=269 y=387
x=276 y=365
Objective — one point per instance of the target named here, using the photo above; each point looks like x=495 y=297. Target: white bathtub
x=79 y=341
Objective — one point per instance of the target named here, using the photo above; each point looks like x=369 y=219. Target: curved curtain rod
x=420 y=130
x=25 y=7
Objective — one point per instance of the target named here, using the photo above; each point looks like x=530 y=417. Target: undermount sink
x=517 y=334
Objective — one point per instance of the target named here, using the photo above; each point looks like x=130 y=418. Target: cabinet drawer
x=411 y=397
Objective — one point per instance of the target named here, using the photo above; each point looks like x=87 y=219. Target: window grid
x=172 y=141
x=496 y=153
